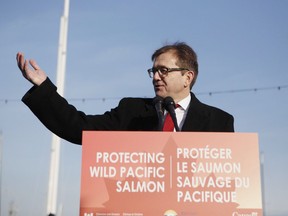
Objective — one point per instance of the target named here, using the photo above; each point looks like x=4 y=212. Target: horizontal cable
x=243 y=90
x=199 y=93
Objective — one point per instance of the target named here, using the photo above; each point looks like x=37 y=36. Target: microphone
x=169 y=105
x=158 y=104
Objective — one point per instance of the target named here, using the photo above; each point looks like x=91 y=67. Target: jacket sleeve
x=230 y=124
x=62 y=118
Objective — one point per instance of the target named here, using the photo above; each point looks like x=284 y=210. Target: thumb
x=34 y=64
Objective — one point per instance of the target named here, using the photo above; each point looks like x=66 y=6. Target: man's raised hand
x=35 y=75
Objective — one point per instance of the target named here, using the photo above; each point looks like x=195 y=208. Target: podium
x=169 y=174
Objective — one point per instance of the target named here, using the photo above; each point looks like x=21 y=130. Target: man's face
x=175 y=84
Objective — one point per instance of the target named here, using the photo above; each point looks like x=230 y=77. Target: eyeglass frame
x=152 y=71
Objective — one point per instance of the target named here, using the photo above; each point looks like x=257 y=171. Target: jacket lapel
x=196 y=118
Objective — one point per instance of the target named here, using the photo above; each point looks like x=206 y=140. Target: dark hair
x=186 y=57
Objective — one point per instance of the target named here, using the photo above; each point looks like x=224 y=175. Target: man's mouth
x=157 y=87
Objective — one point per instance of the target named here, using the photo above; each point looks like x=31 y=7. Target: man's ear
x=189 y=78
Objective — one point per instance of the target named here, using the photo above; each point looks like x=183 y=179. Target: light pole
x=60 y=81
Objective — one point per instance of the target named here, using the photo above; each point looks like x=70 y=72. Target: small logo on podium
x=88 y=214
x=170 y=213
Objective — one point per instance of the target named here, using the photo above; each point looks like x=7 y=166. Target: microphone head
x=157 y=100
x=158 y=104
x=168 y=101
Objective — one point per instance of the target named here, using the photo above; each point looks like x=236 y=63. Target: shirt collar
x=185 y=102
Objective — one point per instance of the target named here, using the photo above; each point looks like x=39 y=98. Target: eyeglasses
x=163 y=71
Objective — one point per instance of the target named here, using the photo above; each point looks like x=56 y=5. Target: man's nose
x=156 y=76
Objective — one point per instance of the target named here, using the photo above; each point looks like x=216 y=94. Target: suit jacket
x=132 y=114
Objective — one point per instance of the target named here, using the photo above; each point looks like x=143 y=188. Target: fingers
x=23 y=65
x=26 y=67
x=20 y=60
x=34 y=74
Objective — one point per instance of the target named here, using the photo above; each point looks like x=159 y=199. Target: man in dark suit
x=174 y=72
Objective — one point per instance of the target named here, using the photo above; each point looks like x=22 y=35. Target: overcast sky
x=241 y=45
